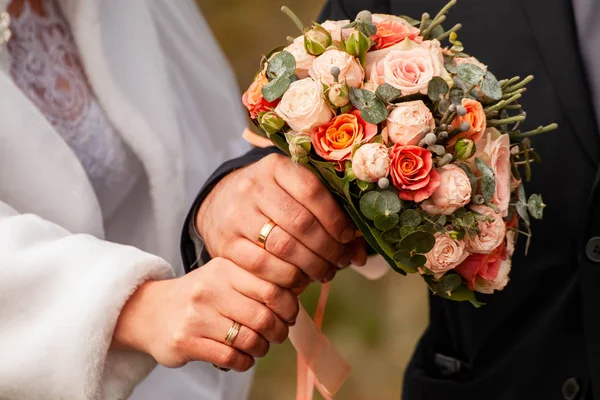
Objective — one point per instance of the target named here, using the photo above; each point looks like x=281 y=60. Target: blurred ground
x=375 y=325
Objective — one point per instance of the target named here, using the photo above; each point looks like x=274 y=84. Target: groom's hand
x=312 y=238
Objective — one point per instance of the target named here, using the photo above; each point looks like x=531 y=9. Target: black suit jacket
x=540 y=337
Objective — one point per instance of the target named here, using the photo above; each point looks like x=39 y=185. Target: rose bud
x=491 y=232
x=317 y=40
x=371 y=162
x=299 y=146
x=338 y=95
x=358 y=43
x=453 y=193
x=271 y=122
x=464 y=149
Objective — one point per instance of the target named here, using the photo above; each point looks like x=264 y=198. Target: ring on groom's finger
x=232 y=333
x=264 y=233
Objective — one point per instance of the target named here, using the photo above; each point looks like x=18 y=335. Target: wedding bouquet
x=418 y=141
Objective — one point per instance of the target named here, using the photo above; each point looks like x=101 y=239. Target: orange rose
x=475 y=116
x=253 y=98
x=334 y=141
x=413 y=172
x=392 y=31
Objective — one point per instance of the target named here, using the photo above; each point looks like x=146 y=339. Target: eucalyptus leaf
x=388 y=203
x=471 y=176
x=447 y=284
x=488 y=180
x=406 y=230
x=367 y=204
x=418 y=260
x=387 y=93
x=392 y=236
x=491 y=87
x=536 y=206
x=523 y=213
x=451 y=66
x=462 y=293
x=276 y=88
x=282 y=64
x=470 y=73
x=522 y=197
x=418 y=242
x=385 y=222
x=372 y=110
x=329 y=174
x=456 y=95
x=437 y=88
x=411 y=218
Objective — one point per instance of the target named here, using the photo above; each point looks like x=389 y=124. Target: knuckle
x=312 y=187
x=265 y=320
x=178 y=341
x=246 y=184
x=282 y=245
x=304 y=222
x=271 y=292
x=258 y=263
x=229 y=357
x=281 y=334
x=294 y=278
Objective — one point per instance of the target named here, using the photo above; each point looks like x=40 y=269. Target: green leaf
x=410 y=20
x=451 y=66
x=384 y=222
x=437 y=88
x=413 y=261
x=491 y=87
x=470 y=73
x=388 y=203
x=536 y=206
x=411 y=218
x=447 y=284
x=418 y=242
x=488 y=180
x=387 y=93
x=462 y=293
x=406 y=230
x=456 y=95
x=372 y=110
x=283 y=64
x=392 y=236
x=367 y=204
x=471 y=176
x=276 y=88
x=439 y=221
x=329 y=174
x=367 y=29
x=362 y=185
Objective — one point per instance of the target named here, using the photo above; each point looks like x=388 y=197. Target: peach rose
x=470 y=60
x=413 y=173
x=408 y=66
x=334 y=141
x=491 y=233
x=447 y=253
x=475 y=116
x=303 y=59
x=391 y=31
x=494 y=149
x=253 y=99
x=371 y=162
x=336 y=31
x=351 y=71
x=482 y=271
x=303 y=106
x=453 y=193
x=407 y=122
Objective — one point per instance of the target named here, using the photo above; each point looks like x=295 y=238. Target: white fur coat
x=65 y=272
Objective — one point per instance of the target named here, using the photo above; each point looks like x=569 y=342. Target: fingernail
x=292 y=323
x=329 y=277
x=359 y=261
x=347 y=235
x=345 y=262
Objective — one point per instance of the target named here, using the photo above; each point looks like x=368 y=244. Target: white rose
x=303 y=59
x=351 y=71
x=303 y=106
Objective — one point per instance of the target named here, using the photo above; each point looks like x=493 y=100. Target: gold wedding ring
x=264 y=233
x=229 y=338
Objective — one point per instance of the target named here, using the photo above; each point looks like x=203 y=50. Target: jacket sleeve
x=60 y=298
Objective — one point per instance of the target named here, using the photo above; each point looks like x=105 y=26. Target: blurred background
x=375 y=325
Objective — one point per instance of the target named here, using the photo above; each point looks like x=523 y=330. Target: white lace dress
x=44 y=63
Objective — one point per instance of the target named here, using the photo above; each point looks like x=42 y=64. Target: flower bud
x=443 y=135
x=461 y=111
x=299 y=146
x=444 y=160
x=339 y=95
x=428 y=140
x=464 y=149
x=317 y=40
x=271 y=122
x=384 y=183
x=357 y=43
x=365 y=16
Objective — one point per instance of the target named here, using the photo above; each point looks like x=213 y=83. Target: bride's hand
x=186 y=319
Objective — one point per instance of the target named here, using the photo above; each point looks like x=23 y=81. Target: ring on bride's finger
x=264 y=233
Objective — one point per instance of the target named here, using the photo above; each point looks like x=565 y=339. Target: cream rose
x=453 y=193
x=303 y=59
x=491 y=233
x=371 y=162
x=351 y=71
x=336 y=31
x=494 y=149
x=303 y=106
x=447 y=253
x=407 y=123
x=408 y=66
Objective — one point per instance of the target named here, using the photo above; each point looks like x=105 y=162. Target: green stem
x=509 y=95
x=424 y=19
x=447 y=34
x=521 y=84
x=293 y=17
x=436 y=22
x=535 y=132
x=505 y=121
x=507 y=82
x=445 y=9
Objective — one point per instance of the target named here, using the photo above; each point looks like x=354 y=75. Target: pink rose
x=336 y=31
x=371 y=162
x=514 y=182
x=351 y=72
x=447 y=253
x=453 y=193
x=494 y=149
x=413 y=173
x=491 y=233
x=481 y=271
x=470 y=60
x=488 y=286
x=303 y=106
x=407 y=122
x=408 y=66
x=303 y=59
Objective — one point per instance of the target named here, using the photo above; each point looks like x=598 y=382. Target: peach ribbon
x=319 y=363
